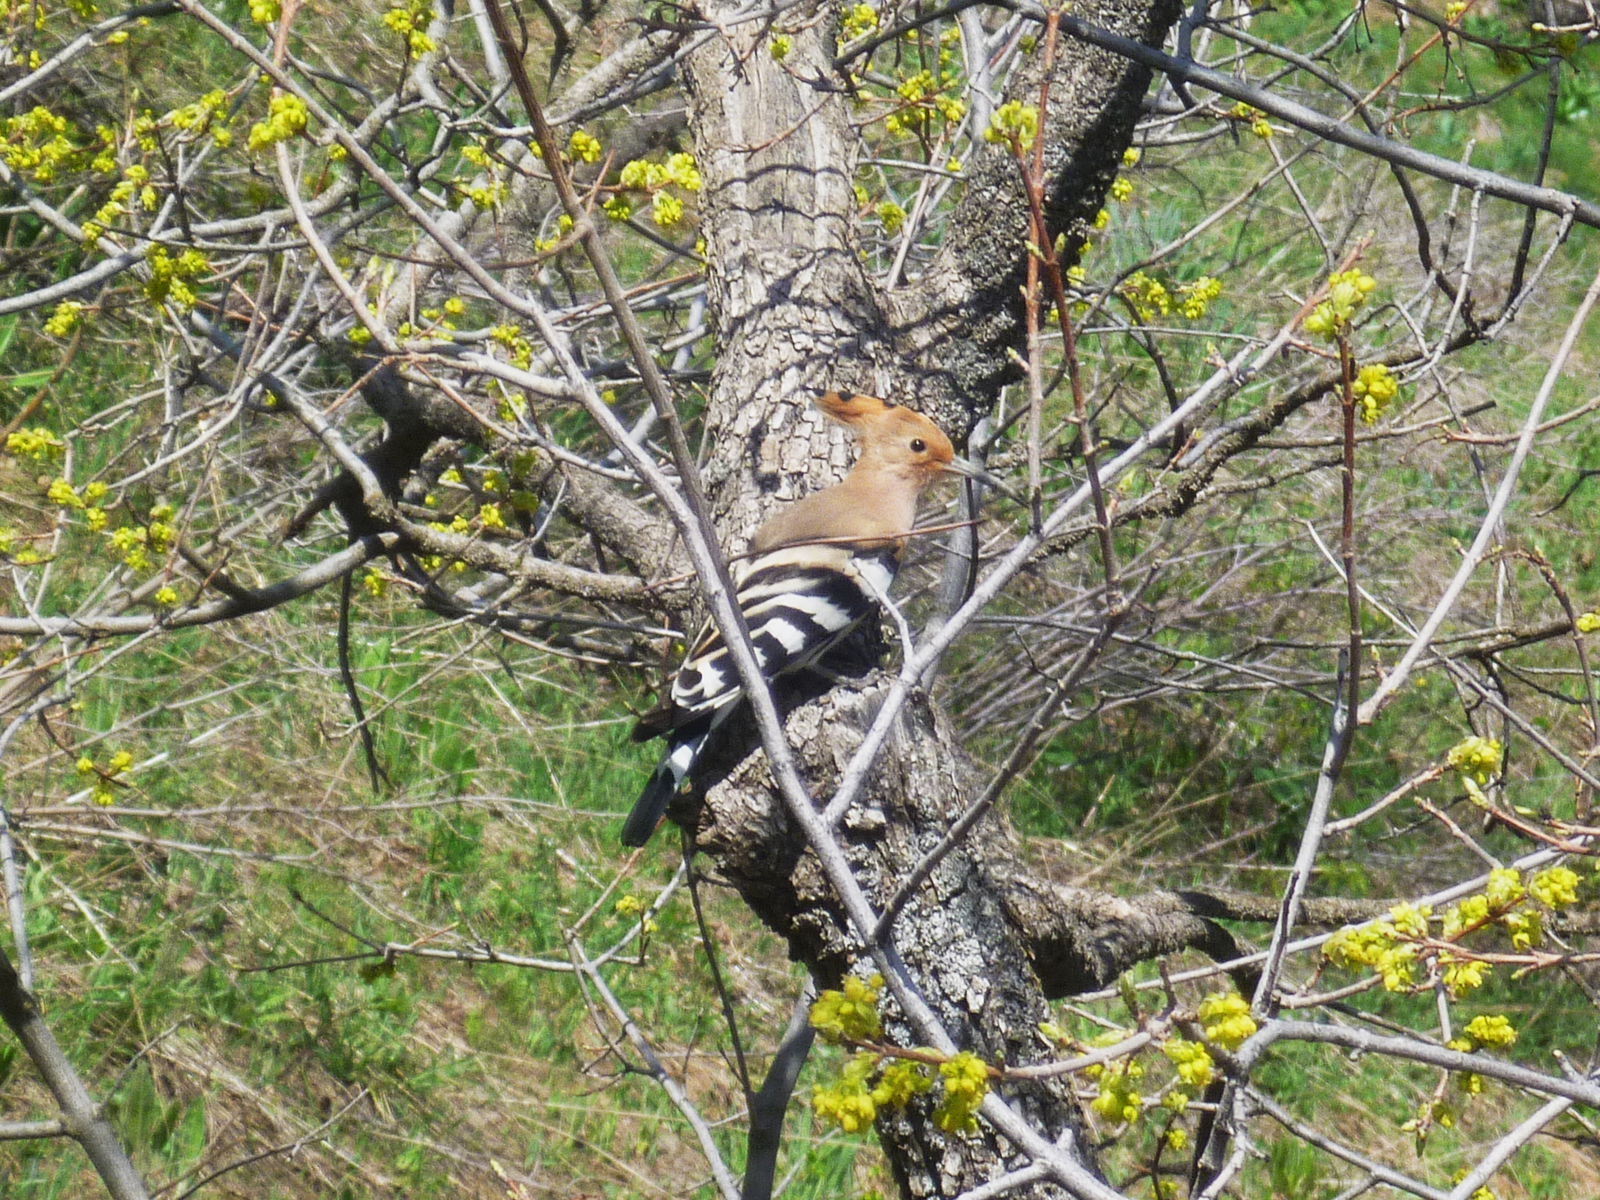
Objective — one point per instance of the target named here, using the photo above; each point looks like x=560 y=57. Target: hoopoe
x=813 y=573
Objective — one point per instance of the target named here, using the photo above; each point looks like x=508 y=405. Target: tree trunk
x=796 y=314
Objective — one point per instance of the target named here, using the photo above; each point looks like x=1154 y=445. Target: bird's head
x=893 y=438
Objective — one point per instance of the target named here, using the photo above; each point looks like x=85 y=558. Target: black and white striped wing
x=797 y=602
x=795 y=611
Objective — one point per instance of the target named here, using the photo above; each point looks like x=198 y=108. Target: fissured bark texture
x=796 y=314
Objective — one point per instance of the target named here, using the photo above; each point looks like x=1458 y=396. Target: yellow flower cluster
x=1390 y=946
x=1373 y=388
x=1013 y=124
x=130 y=541
x=139 y=177
x=900 y=1082
x=1148 y=295
x=84 y=8
x=584 y=146
x=1526 y=928
x=1504 y=887
x=411 y=22
x=135 y=542
x=102 y=793
x=170 y=277
x=203 y=114
x=1476 y=757
x=1225 y=1018
x=105 y=162
x=1462 y=975
x=37 y=142
x=1192 y=1060
x=779 y=47
x=643 y=175
x=851 y=1014
x=25 y=556
x=286 y=118
x=1464 y=918
x=631 y=908
x=966 y=1083
x=62 y=495
x=136 y=178
x=1198 y=295
x=513 y=406
x=1411 y=919
x=1486 y=1032
x=853 y=1100
x=1377 y=947
x=666 y=210
x=520 y=350
x=490 y=196
x=653 y=178
x=1588 y=622
x=93 y=515
x=849 y=1101
x=1121 y=190
x=64 y=319
x=1429 y=1114
x=1346 y=292
x=1555 y=887
x=924 y=96
x=1259 y=125
x=892 y=216
x=145 y=128
x=858 y=21
x=37 y=443
x=1118 y=1100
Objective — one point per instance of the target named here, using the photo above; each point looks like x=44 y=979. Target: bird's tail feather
x=670 y=772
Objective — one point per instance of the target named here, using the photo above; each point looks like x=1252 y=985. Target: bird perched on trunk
x=814 y=572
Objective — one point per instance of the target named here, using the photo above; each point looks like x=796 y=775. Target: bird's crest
x=892 y=437
x=855 y=410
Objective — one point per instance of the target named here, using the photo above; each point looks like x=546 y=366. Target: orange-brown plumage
x=902 y=452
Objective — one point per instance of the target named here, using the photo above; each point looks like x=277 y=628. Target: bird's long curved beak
x=961 y=466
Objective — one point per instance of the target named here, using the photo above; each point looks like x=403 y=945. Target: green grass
x=491 y=1060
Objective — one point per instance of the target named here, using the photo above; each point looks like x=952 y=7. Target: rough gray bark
x=969 y=959
x=796 y=314
x=958 y=324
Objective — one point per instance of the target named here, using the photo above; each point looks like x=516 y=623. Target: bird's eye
x=918 y=445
